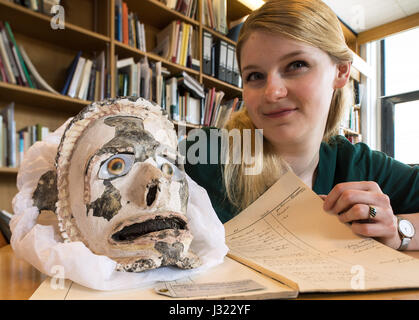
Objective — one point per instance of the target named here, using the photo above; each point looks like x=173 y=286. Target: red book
x=177 y=33
x=124 y=23
x=211 y=106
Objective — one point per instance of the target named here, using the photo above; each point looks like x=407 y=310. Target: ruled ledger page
x=287 y=234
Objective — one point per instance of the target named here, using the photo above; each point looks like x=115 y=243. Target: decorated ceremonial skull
x=121 y=188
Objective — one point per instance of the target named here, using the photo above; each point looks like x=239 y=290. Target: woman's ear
x=343 y=72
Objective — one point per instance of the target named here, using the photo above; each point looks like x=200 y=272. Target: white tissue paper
x=41 y=245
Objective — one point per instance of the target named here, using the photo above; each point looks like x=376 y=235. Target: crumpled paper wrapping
x=41 y=245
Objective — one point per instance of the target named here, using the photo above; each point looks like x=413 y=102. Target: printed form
x=287 y=235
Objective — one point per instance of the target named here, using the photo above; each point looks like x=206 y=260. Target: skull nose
x=152 y=190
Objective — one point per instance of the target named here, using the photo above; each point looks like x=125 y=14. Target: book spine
x=10 y=56
x=125 y=22
x=12 y=38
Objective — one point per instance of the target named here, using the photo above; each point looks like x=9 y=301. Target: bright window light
x=406 y=132
x=252 y=4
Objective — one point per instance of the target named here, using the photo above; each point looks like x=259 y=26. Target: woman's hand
x=351 y=201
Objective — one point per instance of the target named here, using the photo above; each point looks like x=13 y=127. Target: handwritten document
x=287 y=235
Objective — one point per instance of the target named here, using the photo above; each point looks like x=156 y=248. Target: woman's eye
x=296 y=65
x=115 y=166
x=254 y=76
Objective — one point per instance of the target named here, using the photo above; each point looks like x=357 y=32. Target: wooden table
x=19 y=280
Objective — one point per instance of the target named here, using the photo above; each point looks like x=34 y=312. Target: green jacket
x=340 y=161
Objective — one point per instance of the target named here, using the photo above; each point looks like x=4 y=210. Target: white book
x=44 y=132
x=145 y=79
x=100 y=62
x=82 y=91
x=143 y=44
x=4 y=57
x=19 y=66
x=76 y=77
x=193 y=111
x=124 y=62
x=138 y=79
x=12 y=148
x=35 y=73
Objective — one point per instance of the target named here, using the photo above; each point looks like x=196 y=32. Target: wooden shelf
x=39 y=98
x=230 y=90
x=351 y=132
x=219 y=35
x=125 y=51
x=9 y=170
x=187 y=125
x=37 y=25
x=156 y=13
x=236 y=10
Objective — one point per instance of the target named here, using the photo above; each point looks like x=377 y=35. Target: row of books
x=214 y=15
x=14 y=143
x=15 y=65
x=181 y=95
x=142 y=79
x=185 y=7
x=205 y=108
x=128 y=28
x=87 y=78
x=351 y=118
x=178 y=43
x=219 y=60
x=42 y=6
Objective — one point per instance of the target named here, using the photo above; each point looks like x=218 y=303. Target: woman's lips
x=280 y=113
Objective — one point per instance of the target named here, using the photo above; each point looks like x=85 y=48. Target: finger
x=337 y=191
x=369 y=229
x=349 y=198
x=356 y=212
x=322 y=196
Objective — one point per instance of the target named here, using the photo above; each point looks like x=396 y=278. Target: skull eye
x=170 y=169
x=115 y=166
x=167 y=169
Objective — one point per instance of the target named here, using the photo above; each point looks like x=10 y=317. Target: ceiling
x=362 y=15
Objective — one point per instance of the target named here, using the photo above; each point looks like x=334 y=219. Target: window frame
x=388 y=108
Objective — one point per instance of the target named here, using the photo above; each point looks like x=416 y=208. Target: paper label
x=190 y=290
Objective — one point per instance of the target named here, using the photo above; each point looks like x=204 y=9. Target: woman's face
x=287 y=87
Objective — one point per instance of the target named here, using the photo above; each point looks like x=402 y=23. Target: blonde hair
x=309 y=21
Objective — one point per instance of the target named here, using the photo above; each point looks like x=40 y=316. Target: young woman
x=295 y=66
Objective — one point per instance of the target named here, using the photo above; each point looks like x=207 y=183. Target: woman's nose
x=275 y=88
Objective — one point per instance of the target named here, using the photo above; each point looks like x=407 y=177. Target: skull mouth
x=139 y=229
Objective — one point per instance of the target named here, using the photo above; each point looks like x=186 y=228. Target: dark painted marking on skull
x=136 y=230
x=45 y=195
x=108 y=204
x=130 y=133
x=141 y=265
x=184 y=195
x=171 y=253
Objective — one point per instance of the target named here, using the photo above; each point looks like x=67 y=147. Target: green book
x=22 y=62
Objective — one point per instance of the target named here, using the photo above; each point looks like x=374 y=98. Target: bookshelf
x=90 y=27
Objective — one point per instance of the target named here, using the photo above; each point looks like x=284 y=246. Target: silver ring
x=372 y=211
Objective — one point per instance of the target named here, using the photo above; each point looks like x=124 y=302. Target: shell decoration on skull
x=122 y=189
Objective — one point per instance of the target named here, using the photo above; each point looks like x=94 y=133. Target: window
x=400 y=99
